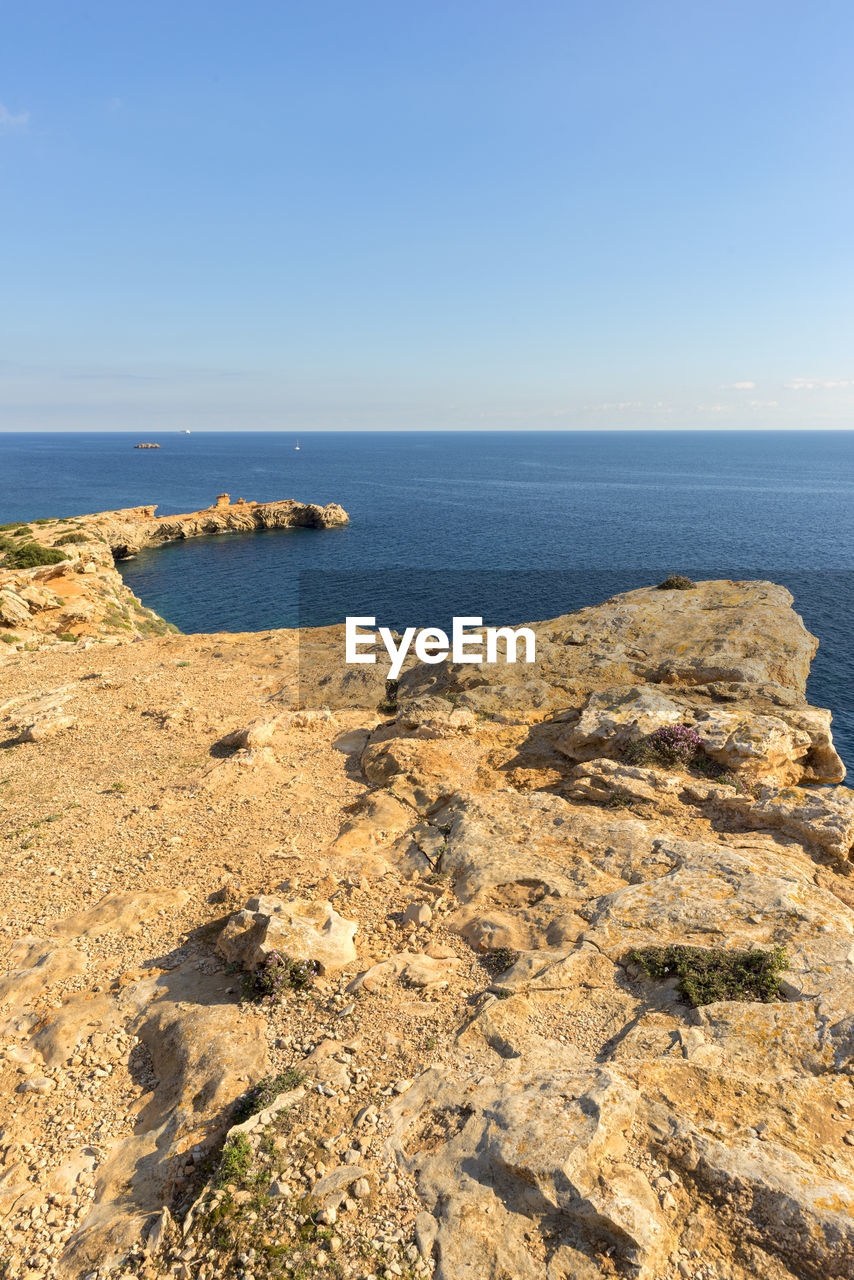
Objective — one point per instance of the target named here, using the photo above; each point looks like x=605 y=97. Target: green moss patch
x=707 y=975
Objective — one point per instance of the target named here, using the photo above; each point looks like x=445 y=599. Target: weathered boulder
x=259 y=733
x=36 y=963
x=755 y=738
x=821 y=817
x=777 y=1198
x=298 y=930
x=419 y=772
x=516 y=1149
x=613 y=718
x=413 y=969
x=40 y=716
x=434 y=718
x=14 y=610
x=204 y=1054
x=611 y=783
x=46 y=726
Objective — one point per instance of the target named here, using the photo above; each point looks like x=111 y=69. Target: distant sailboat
x=296 y=447
x=186 y=433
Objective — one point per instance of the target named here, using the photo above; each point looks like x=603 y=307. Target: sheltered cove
x=479 y=1080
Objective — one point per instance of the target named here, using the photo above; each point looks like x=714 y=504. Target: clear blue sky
x=433 y=213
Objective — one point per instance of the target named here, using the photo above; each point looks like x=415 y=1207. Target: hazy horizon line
x=311 y=431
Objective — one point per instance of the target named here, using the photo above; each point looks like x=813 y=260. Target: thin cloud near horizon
x=12 y=121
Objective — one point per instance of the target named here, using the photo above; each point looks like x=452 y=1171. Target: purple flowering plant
x=280 y=974
x=680 y=746
x=673 y=744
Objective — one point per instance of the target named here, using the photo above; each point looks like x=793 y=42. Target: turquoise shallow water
x=568 y=519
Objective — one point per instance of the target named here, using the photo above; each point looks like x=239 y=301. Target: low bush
x=706 y=975
x=678 y=746
x=620 y=799
x=263 y=1094
x=717 y=773
x=235 y=1161
x=500 y=960
x=676 y=582
x=388 y=706
x=68 y=538
x=32 y=554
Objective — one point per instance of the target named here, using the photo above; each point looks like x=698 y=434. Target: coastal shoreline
x=68 y=590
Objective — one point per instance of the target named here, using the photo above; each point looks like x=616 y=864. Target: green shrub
x=679 y=746
x=68 y=538
x=388 y=706
x=620 y=799
x=500 y=960
x=264 y=1093
x=10 y=639
x=707 y=975
x=717 y=773
x=67 y=635
x=236 y=1160
x=32 y=554
x=676 y=582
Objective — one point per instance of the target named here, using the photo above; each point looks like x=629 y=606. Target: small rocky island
x=146 y=446
x=542 y=972
x=61 y=584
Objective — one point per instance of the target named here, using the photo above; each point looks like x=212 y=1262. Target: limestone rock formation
x=295 y=930
x=753 y=735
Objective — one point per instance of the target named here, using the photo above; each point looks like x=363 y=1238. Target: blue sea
x=513 y=526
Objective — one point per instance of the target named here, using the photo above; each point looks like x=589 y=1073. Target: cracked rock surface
x=483 y=1082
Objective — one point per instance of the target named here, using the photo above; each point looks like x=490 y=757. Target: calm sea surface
x=511 y=526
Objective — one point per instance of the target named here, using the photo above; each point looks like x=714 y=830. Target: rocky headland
x=524 y=974
x=59 y=583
